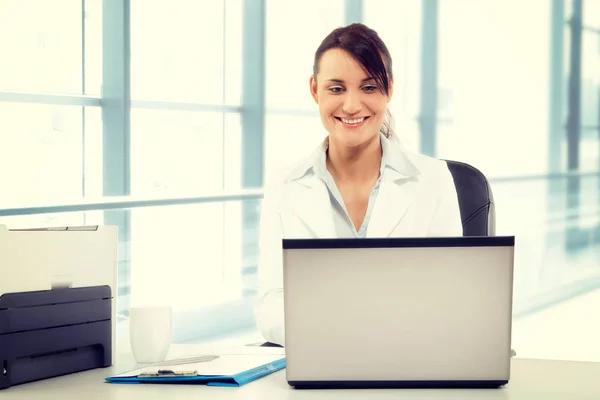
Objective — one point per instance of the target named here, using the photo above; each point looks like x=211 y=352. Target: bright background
x=172 y=99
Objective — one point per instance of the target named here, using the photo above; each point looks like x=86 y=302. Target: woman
x=359 y=182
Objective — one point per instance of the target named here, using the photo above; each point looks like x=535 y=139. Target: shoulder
x=434 y=177
x=286 y=172
x=433 y=174
x=428 y=168
x=295 y=169
x=277 y=179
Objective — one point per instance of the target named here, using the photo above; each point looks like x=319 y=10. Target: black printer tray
x=27 y=311
x=49 y=333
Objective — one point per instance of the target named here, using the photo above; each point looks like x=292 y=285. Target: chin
x=354 y=138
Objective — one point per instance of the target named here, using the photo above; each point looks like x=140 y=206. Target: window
x=291 y=43
x=590 y=88
x=52 y=143
x=495 y=63
x=186 y=141
x=293 y=127
x=81 y=118
x=186 y=51
x=42 y=46
x=398 y=23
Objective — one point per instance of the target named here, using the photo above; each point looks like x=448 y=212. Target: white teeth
x=353 y=121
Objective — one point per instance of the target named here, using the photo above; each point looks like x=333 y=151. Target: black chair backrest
x=474 y=198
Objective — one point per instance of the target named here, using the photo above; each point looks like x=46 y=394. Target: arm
x=446 y=220
x=269 y=308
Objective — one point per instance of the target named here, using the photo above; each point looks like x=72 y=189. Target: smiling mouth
x=354 y=121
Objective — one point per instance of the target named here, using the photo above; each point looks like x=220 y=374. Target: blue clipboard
x=169 y=376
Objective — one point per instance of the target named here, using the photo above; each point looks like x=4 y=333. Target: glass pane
x=398 y=23
x=40 y=43
x=289 y=139
x=498 y=86
x=291 y=45
x=497 y=90
x=177 y=50
x=93 y=47
x=176 y=152
x=183 y=257
x=233 y=52
x=93 y=153
x=232 y=152
x=41 y=160
x=590 y=101
x=556 y=259
x=591 y=14
x=191 y=258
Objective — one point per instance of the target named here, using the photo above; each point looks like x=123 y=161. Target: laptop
x=398 y=312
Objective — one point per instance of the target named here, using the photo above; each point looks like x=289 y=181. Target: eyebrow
x=341 y=81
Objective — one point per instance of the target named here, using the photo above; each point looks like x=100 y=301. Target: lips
x=352 y=121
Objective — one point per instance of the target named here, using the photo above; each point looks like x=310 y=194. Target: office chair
x=475 y=199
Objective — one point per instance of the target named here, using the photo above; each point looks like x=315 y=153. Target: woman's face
x=351 y=104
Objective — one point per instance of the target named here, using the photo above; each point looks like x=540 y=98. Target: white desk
x=531 y=379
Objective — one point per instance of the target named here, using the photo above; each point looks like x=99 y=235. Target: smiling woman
x=359 y=182
x=357 y=53
x=350 y=108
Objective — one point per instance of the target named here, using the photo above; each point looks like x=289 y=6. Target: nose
x=352 y=103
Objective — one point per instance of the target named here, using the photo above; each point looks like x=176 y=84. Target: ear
x=391 y=91
x=313 y=88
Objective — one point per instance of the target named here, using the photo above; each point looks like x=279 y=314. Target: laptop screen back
x=398 y=309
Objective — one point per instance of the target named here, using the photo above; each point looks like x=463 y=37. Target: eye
x=335 y=89
x=370 y=88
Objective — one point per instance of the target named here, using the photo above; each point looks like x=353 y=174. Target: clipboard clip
x=166 y=373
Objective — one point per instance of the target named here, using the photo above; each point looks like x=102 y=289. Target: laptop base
x=493 y=384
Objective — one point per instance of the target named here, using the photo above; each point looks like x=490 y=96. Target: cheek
x=327 y=106
x=377 y=105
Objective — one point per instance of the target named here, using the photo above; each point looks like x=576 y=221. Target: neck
x=359 y=164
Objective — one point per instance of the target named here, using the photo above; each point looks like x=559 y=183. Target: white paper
x=229 y=364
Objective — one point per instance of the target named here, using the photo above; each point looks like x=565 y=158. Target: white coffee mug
x=150 y=330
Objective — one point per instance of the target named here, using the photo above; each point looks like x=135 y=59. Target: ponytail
x=387 y=127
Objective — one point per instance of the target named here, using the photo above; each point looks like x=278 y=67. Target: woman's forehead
x=339 y=64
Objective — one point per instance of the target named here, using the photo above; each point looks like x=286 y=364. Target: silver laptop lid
x=398 y=311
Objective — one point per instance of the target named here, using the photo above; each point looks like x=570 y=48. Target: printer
x=48 y=333
x=57 y=302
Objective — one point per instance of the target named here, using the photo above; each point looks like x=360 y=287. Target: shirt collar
x=393 y=158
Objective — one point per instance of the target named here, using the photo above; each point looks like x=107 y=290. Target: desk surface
x=530 y=379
